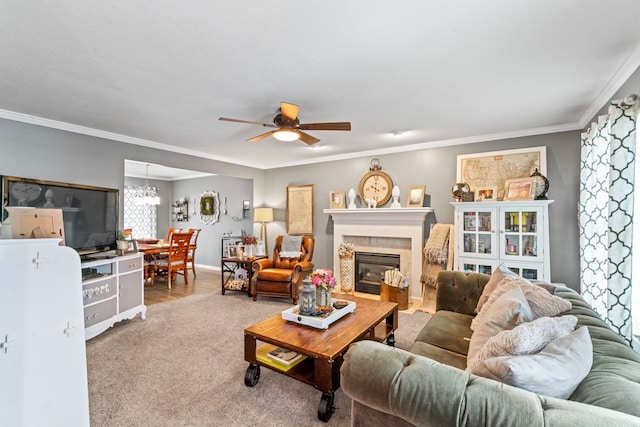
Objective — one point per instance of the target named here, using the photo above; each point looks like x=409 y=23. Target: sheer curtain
x=606 y=214
x=141 y=219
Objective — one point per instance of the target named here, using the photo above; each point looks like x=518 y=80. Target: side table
x=228 y=269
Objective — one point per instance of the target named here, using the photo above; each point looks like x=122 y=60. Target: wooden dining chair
x=193 y=245
x=176 y=261
x=170 y=231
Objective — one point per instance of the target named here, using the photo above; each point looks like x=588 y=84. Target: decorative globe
x=459 y=189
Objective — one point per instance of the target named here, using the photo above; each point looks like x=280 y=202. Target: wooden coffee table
x=324 y=348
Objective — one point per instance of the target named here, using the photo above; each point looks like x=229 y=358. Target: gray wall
x=436 y=168
x=42 y=153
x=209 y=242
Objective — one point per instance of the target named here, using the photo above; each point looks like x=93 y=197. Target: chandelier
x=149 y=194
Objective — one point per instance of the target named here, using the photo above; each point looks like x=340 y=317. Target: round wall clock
x=25 y=192
x=376 y=185
x=542 y=185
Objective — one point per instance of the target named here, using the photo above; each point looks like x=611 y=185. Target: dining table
x=149 y=250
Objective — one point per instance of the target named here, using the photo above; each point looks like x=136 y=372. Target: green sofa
x=428 y=386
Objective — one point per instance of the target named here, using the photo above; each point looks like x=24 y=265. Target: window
x=141 y=219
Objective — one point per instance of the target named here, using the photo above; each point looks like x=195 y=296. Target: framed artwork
x=209 y=207
x=483 y=170
x=486 y=194
x=337 y=200
x=233 y=251
x=299 y=212
x=520 y=189
x=416 y=196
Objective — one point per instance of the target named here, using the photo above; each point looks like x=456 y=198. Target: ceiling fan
x=289 y=127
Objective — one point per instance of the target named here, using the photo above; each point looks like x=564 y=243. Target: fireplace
x=370 y=268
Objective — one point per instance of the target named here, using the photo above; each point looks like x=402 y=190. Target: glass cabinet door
x=529 y=272
x=520 y=237
x=477 y=233
x=471 y=265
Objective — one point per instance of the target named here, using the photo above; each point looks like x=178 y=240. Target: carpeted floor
x=184 y=366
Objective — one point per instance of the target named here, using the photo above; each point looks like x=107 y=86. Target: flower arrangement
x=249 y=240
x=323 y=278
x=346 y=250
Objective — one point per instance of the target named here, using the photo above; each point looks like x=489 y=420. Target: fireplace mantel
x=407 y=223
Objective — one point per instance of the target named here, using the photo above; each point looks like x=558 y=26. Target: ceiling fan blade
x=259 y=137
x=290 y=111
x=305 y=137
x=326 y=126
x=249 y=122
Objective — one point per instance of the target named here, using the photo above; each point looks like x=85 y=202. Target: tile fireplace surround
x=383 y=230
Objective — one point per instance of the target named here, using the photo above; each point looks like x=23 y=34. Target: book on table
x=284 y=356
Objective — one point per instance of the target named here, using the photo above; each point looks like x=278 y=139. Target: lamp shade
x=263 y=215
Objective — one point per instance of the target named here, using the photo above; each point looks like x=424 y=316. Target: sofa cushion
x=526 y=338
x=496 y=277
x=447 y=330
x=507 y=311
x=555 y=371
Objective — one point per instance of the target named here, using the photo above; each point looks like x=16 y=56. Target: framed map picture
x=492 y=169
x=299 y=209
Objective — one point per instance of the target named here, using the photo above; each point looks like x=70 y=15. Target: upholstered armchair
x=282 y=276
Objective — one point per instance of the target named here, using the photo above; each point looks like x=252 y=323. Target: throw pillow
x=507 y=311
x=556 y=371
x=496 y=276
x=542 y=303
x=526 y=338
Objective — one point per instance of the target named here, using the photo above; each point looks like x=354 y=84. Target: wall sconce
x=246 y=206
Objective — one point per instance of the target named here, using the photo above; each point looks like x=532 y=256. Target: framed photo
x=520 y=189
x=233 y=251
x=486 y=194
x=299 y=214
x=416 y=196
x=483 y=170
x=337 y=200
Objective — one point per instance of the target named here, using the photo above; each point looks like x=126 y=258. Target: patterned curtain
x=607 y=171
x=142 y=219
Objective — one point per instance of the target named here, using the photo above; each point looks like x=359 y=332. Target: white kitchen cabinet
x=43 y=368
x=514 y=233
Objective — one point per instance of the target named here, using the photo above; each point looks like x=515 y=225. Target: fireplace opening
x=370 y=268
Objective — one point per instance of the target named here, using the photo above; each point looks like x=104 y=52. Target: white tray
x=318 y=322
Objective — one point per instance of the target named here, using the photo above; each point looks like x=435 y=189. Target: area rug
x=184 y=366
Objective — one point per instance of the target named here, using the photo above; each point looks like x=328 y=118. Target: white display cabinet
x=514 y=233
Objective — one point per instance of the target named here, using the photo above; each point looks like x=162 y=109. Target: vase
x=323 y=297
x=346 y=274
x=248 y=250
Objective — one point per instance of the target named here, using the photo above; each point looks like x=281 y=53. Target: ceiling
x=407 y=75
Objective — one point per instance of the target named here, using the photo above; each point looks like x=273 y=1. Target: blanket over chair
x=290 y=246
x=438 y=254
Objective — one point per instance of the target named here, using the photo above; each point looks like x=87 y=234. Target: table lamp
x=263 y=215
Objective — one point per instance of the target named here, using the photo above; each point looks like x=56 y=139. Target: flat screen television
x=90 y=214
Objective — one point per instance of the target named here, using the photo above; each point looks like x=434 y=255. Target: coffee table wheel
x=325 y=407
x=391 y=340
x=252 y=375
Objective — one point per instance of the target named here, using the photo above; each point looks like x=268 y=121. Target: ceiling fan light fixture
x=286 y=135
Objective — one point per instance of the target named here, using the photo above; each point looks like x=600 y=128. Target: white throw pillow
x=496 y=276
x=526 y=338
x=542 y=303
x=505 y=312
x=556 y=371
